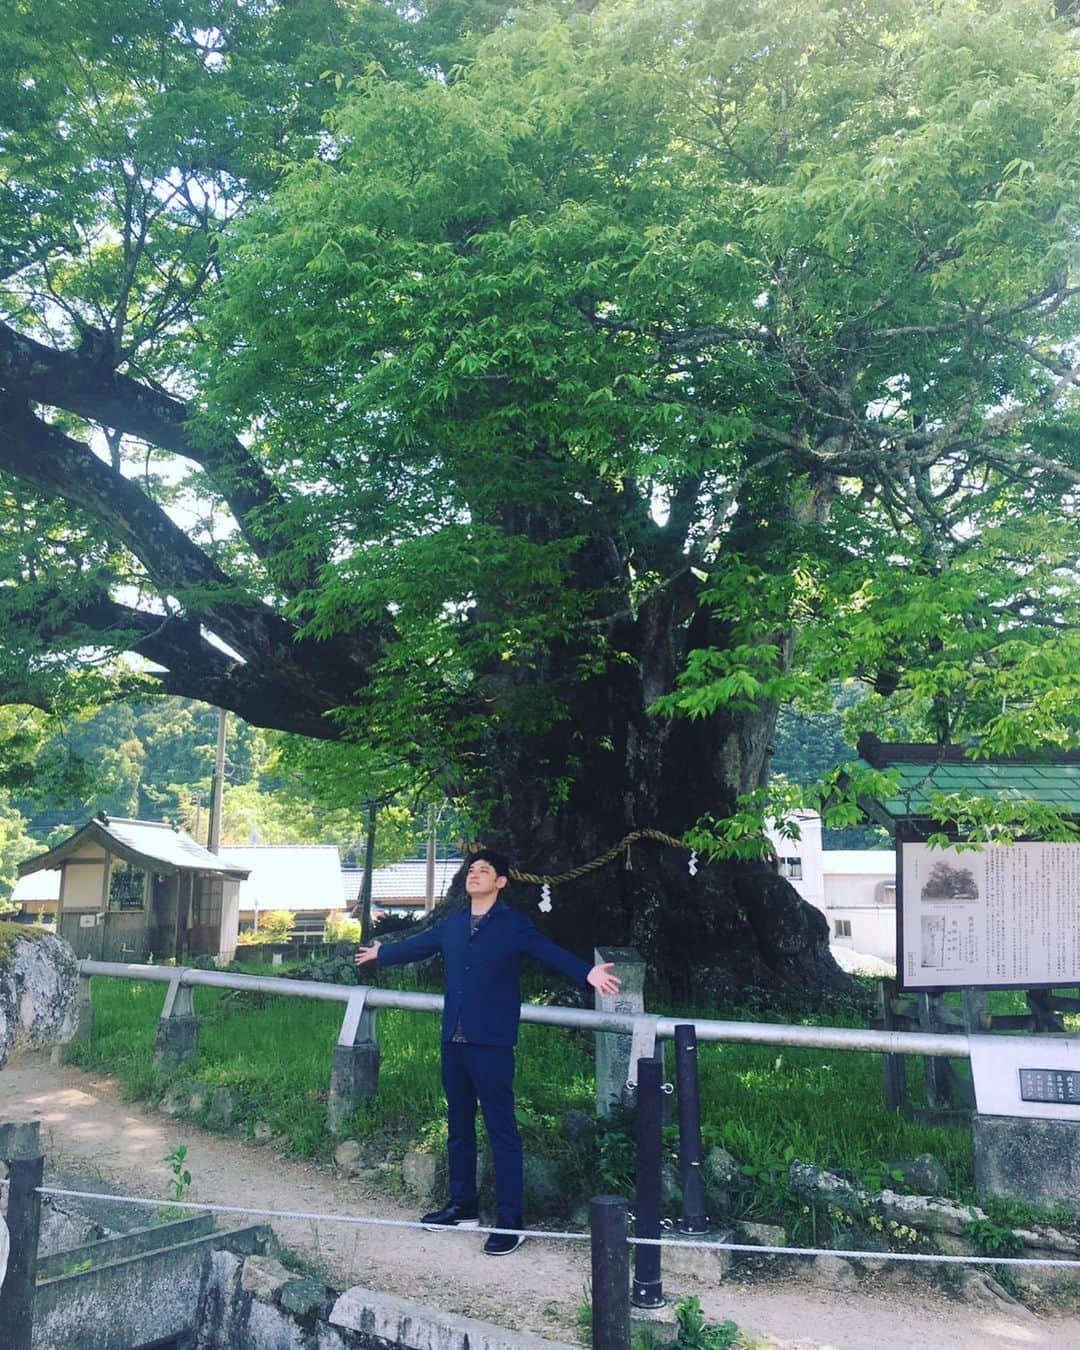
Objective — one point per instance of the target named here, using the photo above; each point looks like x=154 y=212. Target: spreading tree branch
x=322 y=674
x=82 y=382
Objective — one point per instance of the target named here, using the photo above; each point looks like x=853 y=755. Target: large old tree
x=539 y=411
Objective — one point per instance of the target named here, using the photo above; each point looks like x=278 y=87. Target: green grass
x=764 y=1104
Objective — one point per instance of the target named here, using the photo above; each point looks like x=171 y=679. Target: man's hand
x=601 y=978
x=366 y=954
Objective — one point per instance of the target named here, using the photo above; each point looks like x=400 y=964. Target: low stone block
x=543 y=1194
x=823 y=1187
x=925 y=1174
x=222 y=1108
x=721 y=1169
x=222 y=1309
x=764 y=1234
x=304 y=1297
x=696 y=1262
x=176 y=1099
x=264 y=1277
x=420 y=1173
x=830 y=1272
x=580 y=1128
x=415 y=1326
x=329 y=1338
x=980 y=1288
x=273 y=1329
x=1036 y=1161
x=927 y=1215
x=348 y=1157
x=1043 y=1240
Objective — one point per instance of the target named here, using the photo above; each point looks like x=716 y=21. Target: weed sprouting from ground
x=180 y=1180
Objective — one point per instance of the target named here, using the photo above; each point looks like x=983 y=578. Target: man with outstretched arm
x=482 y=949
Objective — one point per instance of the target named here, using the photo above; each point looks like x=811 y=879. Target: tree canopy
x=536 y=401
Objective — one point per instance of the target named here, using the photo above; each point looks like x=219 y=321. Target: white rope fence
x=923 y=1258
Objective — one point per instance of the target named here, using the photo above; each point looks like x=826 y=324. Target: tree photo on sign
x=528 y=403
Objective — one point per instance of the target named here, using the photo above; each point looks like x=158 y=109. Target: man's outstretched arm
x=598 y=976
x=418 y=947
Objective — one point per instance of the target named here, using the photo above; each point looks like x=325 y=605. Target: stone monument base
x=1022 y=1158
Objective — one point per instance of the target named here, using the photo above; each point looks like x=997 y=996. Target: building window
x=790 y=868
x=127 y=886
x=841 y=927
x=206 y=908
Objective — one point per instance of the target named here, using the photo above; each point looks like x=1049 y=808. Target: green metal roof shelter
x=926 y=769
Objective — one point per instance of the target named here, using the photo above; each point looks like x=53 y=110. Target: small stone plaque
x=1050 y=1085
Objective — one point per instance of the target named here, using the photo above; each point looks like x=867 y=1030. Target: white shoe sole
x=451 y=1227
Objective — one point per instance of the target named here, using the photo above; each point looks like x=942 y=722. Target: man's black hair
x=499 y=861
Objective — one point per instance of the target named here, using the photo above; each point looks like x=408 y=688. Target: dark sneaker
x=502 y=1244
x=451 y=1216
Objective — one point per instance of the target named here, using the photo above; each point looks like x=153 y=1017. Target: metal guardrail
x=952 y=1046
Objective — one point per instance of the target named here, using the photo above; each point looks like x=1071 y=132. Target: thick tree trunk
x=561 y=797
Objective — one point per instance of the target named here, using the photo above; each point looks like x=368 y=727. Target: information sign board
x=996 y=916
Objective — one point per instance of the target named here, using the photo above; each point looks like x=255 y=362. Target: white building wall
x=860 y=900
x=854 y=888
x=872 y=931
x=801 y=859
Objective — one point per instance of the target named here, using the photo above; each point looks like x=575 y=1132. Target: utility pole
x=429 y=879
x=213 y=839
x=369 y=865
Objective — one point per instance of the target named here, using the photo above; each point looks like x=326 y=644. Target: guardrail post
x=178 y=1027
x=20 y=1147
x=84 y=1029
x=648 y=1289
x=355 y=1071
x=893 y=1067
x=610 y=1273
x=694 y=1219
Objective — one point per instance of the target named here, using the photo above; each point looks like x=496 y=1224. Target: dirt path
x=90 y=1130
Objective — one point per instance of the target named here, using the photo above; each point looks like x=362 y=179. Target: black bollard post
x=648 y=1289
x=610 y=1273
x=19 y=1144
x=694 y=1219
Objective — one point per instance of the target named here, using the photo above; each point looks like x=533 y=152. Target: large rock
x=39 y=985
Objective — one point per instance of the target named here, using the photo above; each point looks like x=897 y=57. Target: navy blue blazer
x=483 y=969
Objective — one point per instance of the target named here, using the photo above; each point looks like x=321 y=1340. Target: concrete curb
x=406 y=1323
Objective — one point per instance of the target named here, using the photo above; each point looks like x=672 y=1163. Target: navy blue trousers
x=484 y=1074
